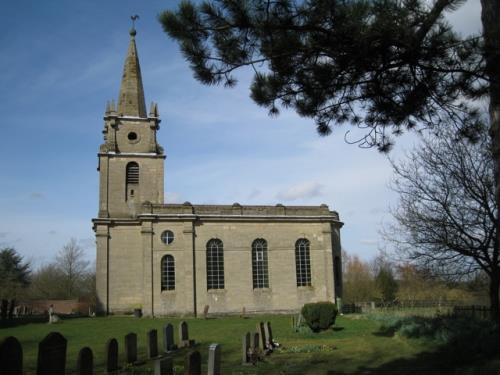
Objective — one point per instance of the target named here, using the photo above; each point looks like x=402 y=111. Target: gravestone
x=152 y=343
x=184 y=341
x=112 y=356
x=192 y=363
x=168 y=338
x=164 y=366
x=243 y=312
x=245 y=348
x=52 y=355
x=268 y=339
x=205 y=311
x=255 y=341
x=214 y=359
x=131 y=348
x=270 y=333
x=262 y=334
x=85 y=362
x=11 y=357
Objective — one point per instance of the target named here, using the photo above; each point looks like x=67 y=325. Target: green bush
x=319 y=316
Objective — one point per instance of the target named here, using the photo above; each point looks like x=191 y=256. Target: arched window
x=215 y=264
x=167 y=273
x=132 y=173
x=302 y=262
x=259 y=264
x=131 y=180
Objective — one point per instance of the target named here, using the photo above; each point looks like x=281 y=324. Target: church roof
x=131 y=101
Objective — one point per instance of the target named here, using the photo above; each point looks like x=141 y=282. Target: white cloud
x=301 y=191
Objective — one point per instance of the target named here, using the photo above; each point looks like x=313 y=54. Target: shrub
x=319 y=316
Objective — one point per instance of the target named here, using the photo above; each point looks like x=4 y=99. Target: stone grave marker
x=168 y=338
x=214 y=359
x=11 y=356
x=52 y=355
x=270 y=333
x=192 y=363
x=262 y=335
x=131 y=348
x=245 y=349
x=85 y=362
x=184 y=341
x=164 y=366
x=112 y=356
x=205 y=311
x=152 y=343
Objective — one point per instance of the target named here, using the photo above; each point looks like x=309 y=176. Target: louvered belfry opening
x=132 y=179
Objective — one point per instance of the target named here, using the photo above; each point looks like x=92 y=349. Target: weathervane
x=134 y=18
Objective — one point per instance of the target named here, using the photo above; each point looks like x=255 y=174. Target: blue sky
x=60 y=61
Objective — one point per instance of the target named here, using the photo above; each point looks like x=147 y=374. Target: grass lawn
x=355 y=346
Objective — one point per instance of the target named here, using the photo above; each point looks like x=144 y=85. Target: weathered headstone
x=131 y=348
x=262 y=334
x=243 y=312
x=85 y=362
x=192 y=363
x=112 y=356
x=52 y=355
x=214 y=359
x=205 y=311
x=152 y=343
x=270 y=333
x=184 y=341
x=255 y=341
x=11 y=357
x=164 y=366
x=245 y=348
x=168 y=338
x=268 y=336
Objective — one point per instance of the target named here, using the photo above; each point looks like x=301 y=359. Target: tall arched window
x=215 y=264
x=167 y=273
x=131 y=179
x=259 y=264
x=302 y=262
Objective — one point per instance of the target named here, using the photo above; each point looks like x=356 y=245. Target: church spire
x=131 y=101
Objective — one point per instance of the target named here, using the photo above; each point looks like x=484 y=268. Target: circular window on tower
x=167 y=237
x=133 y=137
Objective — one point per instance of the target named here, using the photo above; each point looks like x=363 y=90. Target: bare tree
x=446 y=218
x=72 y=265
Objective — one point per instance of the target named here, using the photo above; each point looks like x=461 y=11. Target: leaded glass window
x=259 y=264
x=167 y=273
x=302 y=262
x=215 y=264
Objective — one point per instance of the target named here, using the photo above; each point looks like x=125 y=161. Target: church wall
x=125 y=268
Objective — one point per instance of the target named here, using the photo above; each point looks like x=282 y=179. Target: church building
x=175 y=259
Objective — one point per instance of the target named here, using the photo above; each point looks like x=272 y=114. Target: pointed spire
x=131 y=100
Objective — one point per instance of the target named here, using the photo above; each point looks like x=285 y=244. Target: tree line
x=68 y=276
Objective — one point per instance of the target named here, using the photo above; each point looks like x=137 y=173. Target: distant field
x=355 y=346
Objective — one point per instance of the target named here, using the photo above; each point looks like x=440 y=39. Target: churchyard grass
x=356 y=345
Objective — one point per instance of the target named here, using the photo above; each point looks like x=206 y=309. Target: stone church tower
x=130 y=160
x=178 y=258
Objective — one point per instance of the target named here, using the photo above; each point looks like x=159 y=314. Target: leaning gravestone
x=270 y=333
x=168 y=338
x=131 y=348
x=192 y=363
x=11 y=357
x=112 y=356
x=85 y=362
x=52 y=355
x=152 y=343
x=205 y=311
x=245 y=348
x=262 y=334
x=164 y=366
x=214 y=359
